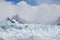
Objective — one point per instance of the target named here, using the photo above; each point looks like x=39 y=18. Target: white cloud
x=6 y=10
x=44 y=13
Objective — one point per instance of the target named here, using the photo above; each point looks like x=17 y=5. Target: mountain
x=57 y=21
x=16 y=19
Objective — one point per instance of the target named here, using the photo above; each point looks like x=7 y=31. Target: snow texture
x=14 y=31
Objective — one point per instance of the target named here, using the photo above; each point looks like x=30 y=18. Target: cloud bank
x=6 y=9
x=44 y=13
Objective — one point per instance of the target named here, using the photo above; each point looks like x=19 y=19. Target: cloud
x=45 y=13
x=6 y=9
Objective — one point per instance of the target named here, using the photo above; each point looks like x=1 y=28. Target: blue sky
x=31 y=2
x=35 y=2
x=57 y=1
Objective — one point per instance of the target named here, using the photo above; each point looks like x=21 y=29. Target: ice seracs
x=31 y=32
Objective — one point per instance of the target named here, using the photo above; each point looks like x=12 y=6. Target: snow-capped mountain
x=16 y=19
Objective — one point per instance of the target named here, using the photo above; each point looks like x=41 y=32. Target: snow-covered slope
x=12 y=31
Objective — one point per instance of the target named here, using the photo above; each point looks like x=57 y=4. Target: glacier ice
x=13 y=31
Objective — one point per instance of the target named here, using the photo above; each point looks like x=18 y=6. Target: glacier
x=14 y=31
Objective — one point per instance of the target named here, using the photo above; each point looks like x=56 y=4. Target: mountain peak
x=17 y=19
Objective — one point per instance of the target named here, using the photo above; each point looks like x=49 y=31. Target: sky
x=31 y=2
x=35 y=2
x=33 y=11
